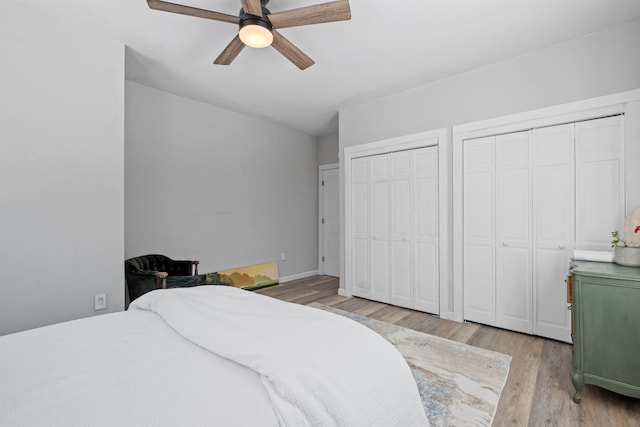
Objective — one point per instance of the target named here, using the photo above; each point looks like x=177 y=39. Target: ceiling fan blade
x=252 y=7
x=230 y=52
x=326 y=12
x=292 y=53
x=192 y=11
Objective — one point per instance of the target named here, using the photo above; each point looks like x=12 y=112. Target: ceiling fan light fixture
x=256 y=33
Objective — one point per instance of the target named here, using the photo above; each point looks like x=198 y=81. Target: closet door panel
x=479 y=191
x=513 y=221
x=360 y=203
x=401 y=294
x=401 y=256
x=599 y=185
x=479 y=284
x=513 y=207
x=598 y=203
x=426 y=277
x=425 y=197
x=425 y=231
x=360 y=227
x=379 y=213
x=379 y=167
x=479 y=209
x=380 y=210
x=599 y=139
x=361 y=282
x=380 y=270
x=426 y=208
x=513 y=193
x=401 y=164
x=400 y=209
x=513 y=289
x=554 y=205
x=554 y=212
x=360 y=196
x=553 y=318
x=479 y=214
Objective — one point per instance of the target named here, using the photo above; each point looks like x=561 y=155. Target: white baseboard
x=343 y=292
x=297 y=276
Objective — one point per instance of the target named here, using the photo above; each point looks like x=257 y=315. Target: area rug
x=460 y=385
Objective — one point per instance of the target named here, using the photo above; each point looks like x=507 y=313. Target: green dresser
x=606 y=322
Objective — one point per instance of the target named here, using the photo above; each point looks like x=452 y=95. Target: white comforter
x=320 y=369
x=247 y=360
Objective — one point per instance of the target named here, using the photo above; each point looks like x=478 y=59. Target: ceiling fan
x=258 y=25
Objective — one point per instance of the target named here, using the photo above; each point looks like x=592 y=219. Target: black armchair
x=148 y=272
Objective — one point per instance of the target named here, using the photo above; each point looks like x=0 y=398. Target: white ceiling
x=386 y=47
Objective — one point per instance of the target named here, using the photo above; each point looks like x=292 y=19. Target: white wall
x=328 y=149
x=599 y=64
x=61 y=170
x=221 y=187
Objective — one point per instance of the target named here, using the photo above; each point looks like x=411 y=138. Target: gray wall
x=61 y=170
x=587 y=67
x=599 y=64
x=328 y=149
x=209 y=184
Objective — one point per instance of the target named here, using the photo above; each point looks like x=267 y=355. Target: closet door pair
x=530 y=198
x=395 y=228
x=497 y=231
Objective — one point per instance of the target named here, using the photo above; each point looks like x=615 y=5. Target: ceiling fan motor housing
x=249 y=19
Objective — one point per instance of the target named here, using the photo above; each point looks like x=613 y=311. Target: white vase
x=627 y=256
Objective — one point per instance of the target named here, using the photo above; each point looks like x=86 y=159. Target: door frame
x=321 y=170
x=439 y=138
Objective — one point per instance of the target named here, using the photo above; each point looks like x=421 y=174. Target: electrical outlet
x=99 y=302
x=283 y=256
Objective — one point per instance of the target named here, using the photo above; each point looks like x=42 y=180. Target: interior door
x=360 y=227
x=479 y=223
x=425 y=230
x=330 y=223
x=401 y=229
x=553 y=225
x=513 y=243
x=380 y=238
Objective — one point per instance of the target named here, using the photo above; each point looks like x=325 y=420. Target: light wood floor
x=538 y=391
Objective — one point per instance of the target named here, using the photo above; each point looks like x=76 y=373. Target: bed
x=211 y=355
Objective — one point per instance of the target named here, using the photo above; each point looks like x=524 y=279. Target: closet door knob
x=561 y=246
x=505 y=244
